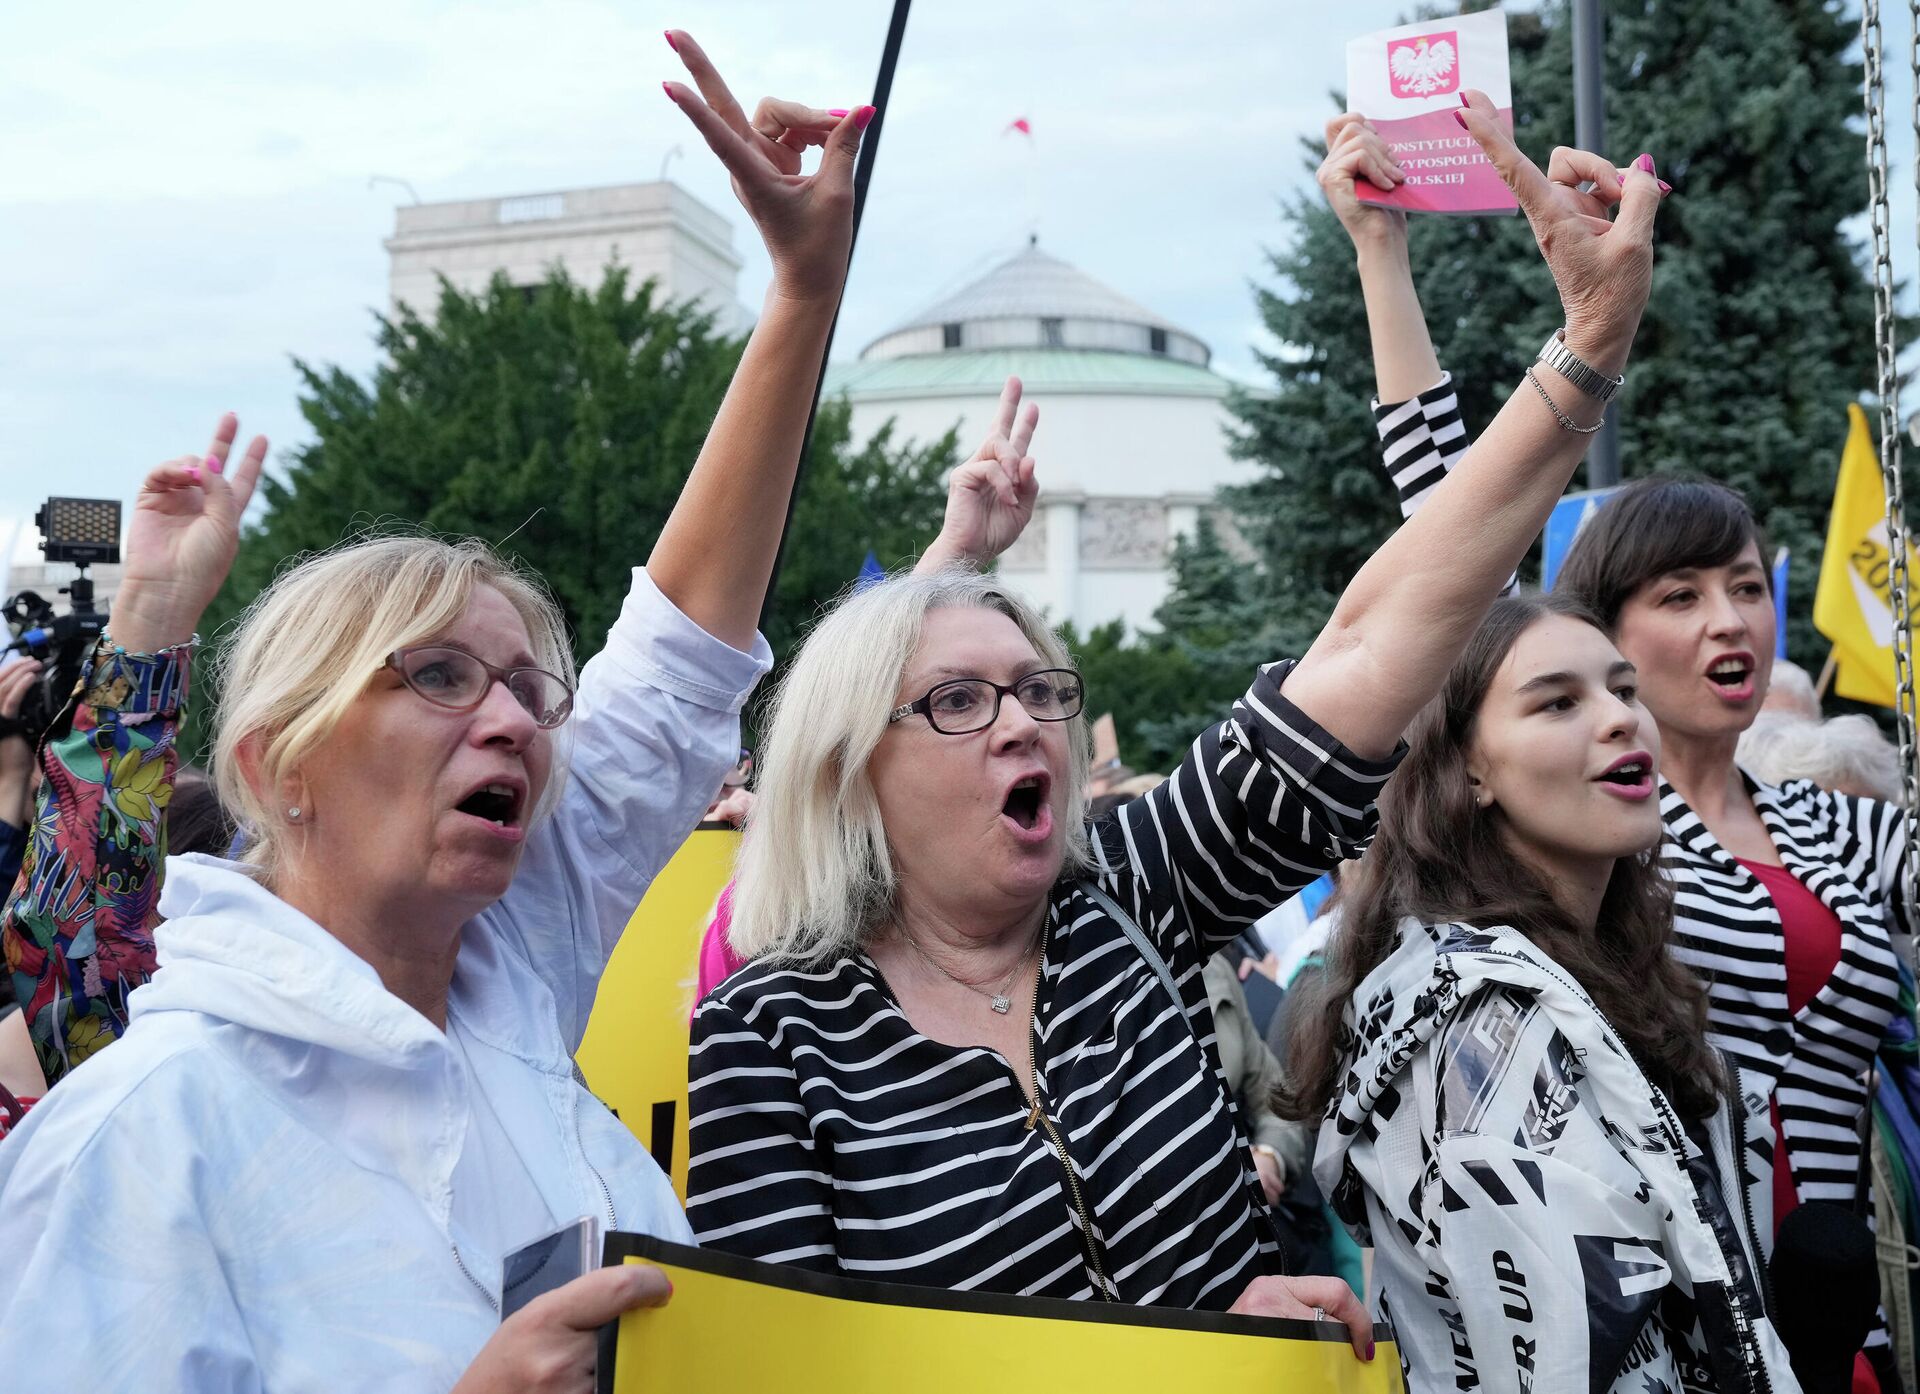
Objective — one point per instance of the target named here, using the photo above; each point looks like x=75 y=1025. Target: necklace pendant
x=1001 y=1004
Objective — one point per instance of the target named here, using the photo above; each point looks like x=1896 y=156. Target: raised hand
x=805 y=221
x=990 y=498
x=1356 y=151
x=182 y=539
x=1602 y=268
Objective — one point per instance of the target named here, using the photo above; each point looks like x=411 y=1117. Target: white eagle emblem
x=1425 y=67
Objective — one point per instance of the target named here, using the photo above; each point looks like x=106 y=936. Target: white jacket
x=251 y=1190
x=1540 y=1219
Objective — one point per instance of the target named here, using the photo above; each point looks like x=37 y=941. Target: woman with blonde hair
x=348 y=1093
x=975 y=1052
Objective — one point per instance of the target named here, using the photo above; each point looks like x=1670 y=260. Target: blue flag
x=871 y=574
x=1780 y=603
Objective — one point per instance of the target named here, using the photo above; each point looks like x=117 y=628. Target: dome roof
x=980 y=373
x=1033 y=300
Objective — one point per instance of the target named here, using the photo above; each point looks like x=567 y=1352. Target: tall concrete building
x=658 y=230
x=1132 y=442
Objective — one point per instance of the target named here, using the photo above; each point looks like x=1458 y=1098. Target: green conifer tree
x=559 y=424
x=1758 y=334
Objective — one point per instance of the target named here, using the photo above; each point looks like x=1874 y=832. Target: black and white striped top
x=1420 y=440
x=828 y=1133
x=1847 y=851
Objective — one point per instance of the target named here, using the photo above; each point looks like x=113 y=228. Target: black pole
x=862 y=177
x=1590 y=133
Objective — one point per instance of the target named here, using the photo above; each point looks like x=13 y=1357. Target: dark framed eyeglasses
x=457 y=680
x=964 y=705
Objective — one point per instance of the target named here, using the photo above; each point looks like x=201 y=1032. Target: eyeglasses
x=965 y=705
x=455 y=679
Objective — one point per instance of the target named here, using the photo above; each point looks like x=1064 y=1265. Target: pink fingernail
x=1461 y=117
x=1665 y=187
x=1464 y=101
x=193 y=473
x=667 y=87
x=837 y=111
x=1369 y=1350
x=670 y=43
x=863 y=116
x=1645 y=162
x=1623 y=180
x=214 y=465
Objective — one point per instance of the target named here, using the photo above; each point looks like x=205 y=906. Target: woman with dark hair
x=1522 y=1107
x=1786 y=897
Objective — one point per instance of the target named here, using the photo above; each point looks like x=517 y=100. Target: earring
x=294 y=813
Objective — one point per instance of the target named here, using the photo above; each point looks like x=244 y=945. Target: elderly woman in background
x=348 y=1093
x=975 y=1051
x=1790 y=692
x=1844 y=755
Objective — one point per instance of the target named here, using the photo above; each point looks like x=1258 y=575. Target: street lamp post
x=1590 y=133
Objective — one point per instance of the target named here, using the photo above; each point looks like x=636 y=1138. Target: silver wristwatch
x=1589 y=379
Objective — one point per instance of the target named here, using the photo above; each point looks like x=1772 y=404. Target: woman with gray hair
x=1843 y=755
x=975 y=1051
x=347 y=1095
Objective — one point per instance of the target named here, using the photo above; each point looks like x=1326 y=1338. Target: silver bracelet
x=1566 y=422
x=1583 y=375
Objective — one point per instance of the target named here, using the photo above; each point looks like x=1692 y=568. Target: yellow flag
x=1853 y=604
x=635 y=1051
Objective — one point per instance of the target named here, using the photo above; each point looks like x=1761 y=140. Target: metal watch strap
x=1589 y=379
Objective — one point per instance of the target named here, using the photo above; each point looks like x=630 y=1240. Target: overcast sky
x=187 y=205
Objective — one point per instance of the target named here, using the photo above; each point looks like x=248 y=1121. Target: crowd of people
x=1578 y=1053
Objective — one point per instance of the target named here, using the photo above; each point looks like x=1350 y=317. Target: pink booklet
x=1408 y=81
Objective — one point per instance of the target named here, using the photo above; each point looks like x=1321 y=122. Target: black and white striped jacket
x=826 y=1132
x=1847 y=851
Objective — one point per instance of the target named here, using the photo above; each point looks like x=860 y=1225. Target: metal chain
x=1889 y=393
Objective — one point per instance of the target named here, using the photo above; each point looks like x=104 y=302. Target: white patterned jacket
x=1541 y=1219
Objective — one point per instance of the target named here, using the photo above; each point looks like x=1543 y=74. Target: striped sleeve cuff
x=1335 y=791
x=1420 y=440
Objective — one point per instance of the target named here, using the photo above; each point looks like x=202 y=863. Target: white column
x=1063 y=556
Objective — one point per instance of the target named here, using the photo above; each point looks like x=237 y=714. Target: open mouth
x=1025 y=800
x=1628 y=776
x=1731 y=674
x=498 y=803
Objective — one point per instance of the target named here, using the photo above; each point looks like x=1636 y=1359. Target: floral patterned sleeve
x=77 y=930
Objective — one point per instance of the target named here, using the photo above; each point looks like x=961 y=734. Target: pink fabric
x=718 y=961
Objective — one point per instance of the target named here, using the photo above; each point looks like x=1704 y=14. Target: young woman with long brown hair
x=1521 y=1105
x=1787 y=898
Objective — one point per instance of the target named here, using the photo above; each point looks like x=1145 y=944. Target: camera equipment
x=83 y=532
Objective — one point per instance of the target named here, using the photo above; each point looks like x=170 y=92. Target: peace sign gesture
x=990 y=498
x=805 y=221
x=181 y=541
x=1602 y=268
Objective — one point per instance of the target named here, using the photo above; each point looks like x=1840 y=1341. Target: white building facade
x=654 y=230
x=1132 y=442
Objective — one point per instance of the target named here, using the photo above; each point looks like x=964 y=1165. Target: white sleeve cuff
x=655 y=643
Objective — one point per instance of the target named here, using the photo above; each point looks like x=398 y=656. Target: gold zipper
x=1039 y=1115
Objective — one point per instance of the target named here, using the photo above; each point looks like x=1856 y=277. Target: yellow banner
x=634 y=1054
x=735 y=1325
x=1853 y=603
